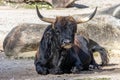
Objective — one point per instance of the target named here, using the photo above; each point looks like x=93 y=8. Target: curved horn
x=85 y=19
x=49 y=20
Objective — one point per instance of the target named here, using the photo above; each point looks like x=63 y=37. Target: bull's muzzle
x=66 y=43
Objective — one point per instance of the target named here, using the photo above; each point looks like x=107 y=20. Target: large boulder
x=116 y=12
x=112 y=10
x=23 y=38
x=62 y=3
x=104 y=29
x=54 y=3
x=16 y=1
x=22 y=1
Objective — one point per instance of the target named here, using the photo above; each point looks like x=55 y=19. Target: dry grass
x=94 y=79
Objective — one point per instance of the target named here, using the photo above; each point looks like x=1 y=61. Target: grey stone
x=54 y=3
x=103 y=29
x=116 y=12
x=23 y=38
x=16 y=1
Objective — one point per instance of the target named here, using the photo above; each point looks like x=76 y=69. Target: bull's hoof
x=95 y=66
x=56 y=71
x=42 y=71
x=76 y=70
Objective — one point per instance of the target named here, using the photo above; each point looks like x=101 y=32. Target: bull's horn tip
x=96 y=7
x=92 y=15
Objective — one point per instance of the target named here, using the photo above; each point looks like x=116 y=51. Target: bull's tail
x=103 y=54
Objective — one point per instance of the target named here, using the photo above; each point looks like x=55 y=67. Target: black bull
x=61 y=51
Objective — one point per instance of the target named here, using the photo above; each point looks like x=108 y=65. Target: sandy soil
x=23 y=69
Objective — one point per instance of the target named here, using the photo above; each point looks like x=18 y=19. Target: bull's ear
x=85 y=19
x=49 y=20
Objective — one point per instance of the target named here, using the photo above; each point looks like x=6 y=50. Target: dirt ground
x=23 y=69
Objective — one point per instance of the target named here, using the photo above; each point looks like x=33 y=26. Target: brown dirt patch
x=23 y=69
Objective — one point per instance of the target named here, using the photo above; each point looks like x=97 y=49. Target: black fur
x=54 y=58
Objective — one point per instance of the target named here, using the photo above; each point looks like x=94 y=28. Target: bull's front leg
x=40 y=68
x=57 y=69
x=77 y=66
x=58 y=63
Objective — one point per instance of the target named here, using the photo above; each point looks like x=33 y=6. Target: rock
x=62 y=3
x=109 y=10
x=23 y=38
x=16 y=1
x=116 y=12
x=54 y=3
x=104 y=29
x=21 y=1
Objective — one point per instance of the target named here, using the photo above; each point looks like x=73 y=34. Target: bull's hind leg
x=93 y=64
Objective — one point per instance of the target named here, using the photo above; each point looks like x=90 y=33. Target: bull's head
x=65 y=27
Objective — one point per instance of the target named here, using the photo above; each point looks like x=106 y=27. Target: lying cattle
x=60 y=50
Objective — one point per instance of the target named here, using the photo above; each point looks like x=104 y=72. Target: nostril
x=66 y=41
x=70 y=41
